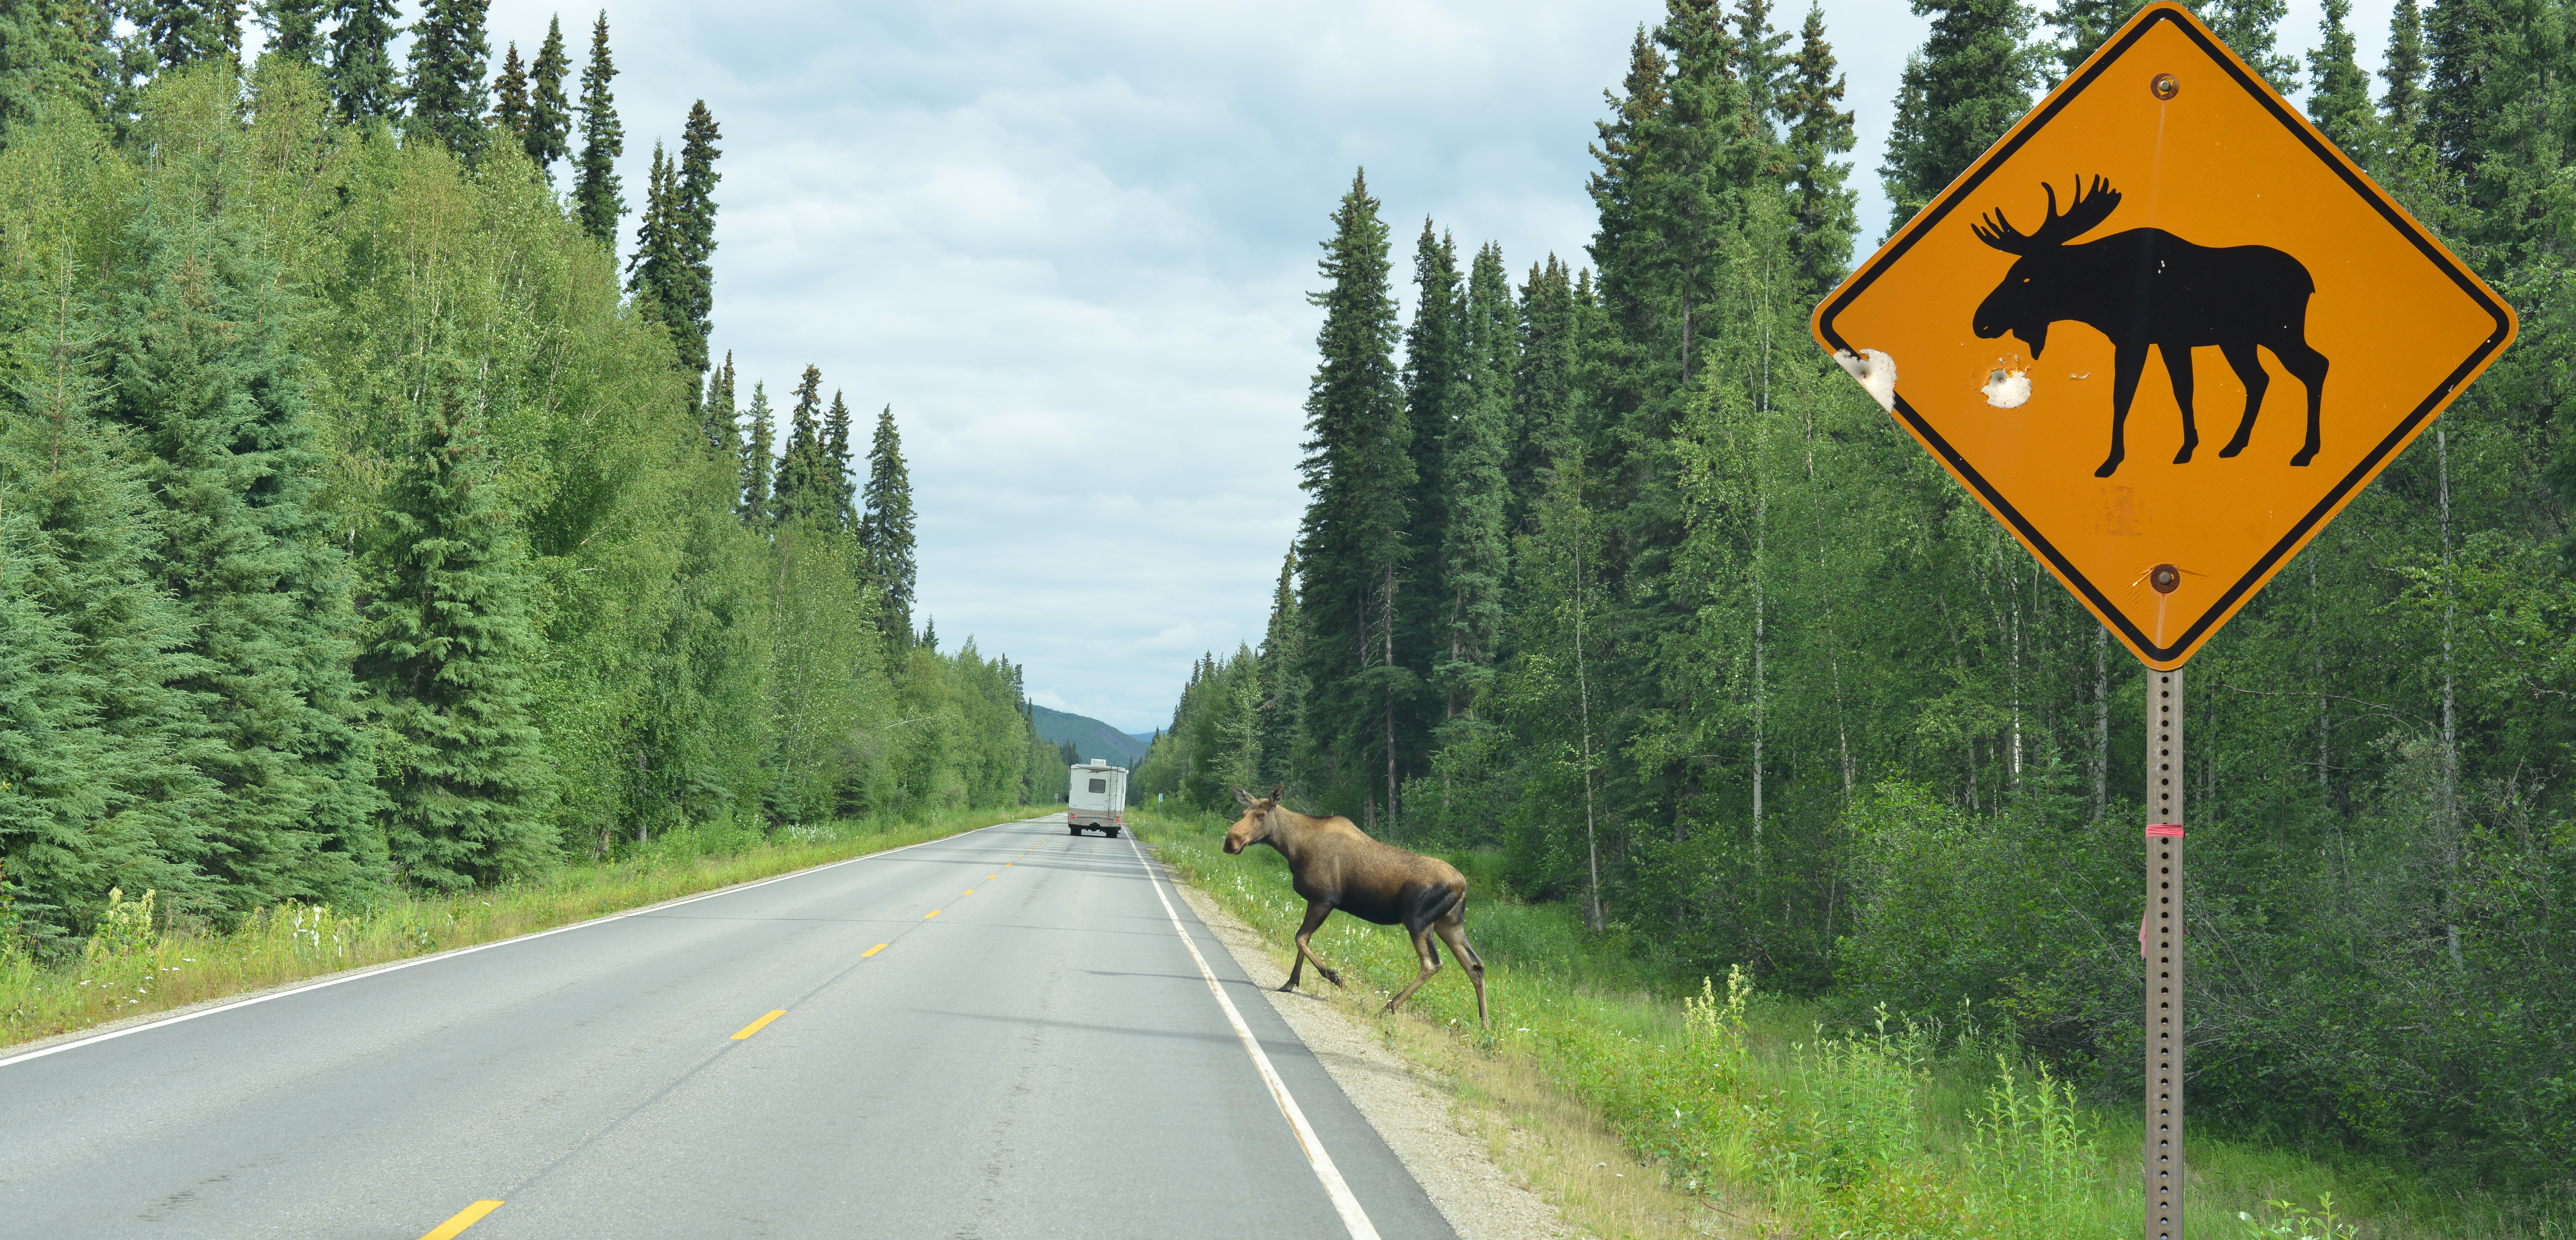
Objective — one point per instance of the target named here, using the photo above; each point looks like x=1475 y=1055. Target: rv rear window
x=1100 y=785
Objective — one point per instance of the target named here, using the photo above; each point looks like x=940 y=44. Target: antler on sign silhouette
x=2147 y=287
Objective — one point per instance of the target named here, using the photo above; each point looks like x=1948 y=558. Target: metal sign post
x=2160 y=941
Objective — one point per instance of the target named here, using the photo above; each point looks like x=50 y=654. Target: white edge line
x=1353 y=1217
x=452 y=953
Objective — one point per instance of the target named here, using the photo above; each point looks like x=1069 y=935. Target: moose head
x=2042 y=283
x=1255 y=825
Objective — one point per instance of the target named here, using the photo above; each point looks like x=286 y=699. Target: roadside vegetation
x=132 y=966
x=1770 y=1108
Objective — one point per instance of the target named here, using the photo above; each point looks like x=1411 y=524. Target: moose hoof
x=2232 y=449
x=2183 y=457
x=2305 y=455
x=1334 y=978
x=2109 y=467
x=1288 y=986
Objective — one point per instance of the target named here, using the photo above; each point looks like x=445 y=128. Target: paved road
x=1032 y=1053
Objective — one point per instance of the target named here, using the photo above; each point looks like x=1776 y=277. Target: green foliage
x=361 y=70
x=885 y=525
x=1967 y=85
x=548 y=132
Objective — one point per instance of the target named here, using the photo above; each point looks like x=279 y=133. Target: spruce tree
x=1819 y=132
x=691 y=289
x=449 y=646
x=549 y=129
x=95 y=784
x=1760 y=60
x=1358 y=476
x=2403 y=70
x=716 y=416
x=885 y=525
x=651 y=268
x=1474 y=565
x=2082 y=27
x=1283 y=691
x=510 y=109
x=449 y=55
x=2339 y=92
x=1967 y=84
x=598 y=202
x=183 y=32
x=759 y=465
x=836 y=454
x=206 y=377
x=294 y=28
x=361 y=72
x=51 y=52
x=2252 y=28
x=1544 y=392
x=803 y=491
x=1435 y=393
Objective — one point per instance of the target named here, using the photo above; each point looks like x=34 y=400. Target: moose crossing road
x=994 y=1035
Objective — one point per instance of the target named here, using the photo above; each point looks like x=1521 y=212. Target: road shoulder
x=1412 y=1111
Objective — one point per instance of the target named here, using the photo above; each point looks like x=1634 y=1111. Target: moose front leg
x=2128 y=361
x=2249 y=368
x=1316 y=912
x=2178 y=366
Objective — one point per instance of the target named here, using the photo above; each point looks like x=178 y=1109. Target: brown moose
x=1334 y=866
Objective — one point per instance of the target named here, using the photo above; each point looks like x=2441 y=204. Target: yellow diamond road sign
x=2164 y=324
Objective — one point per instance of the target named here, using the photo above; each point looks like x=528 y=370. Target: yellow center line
x=872 y=951
x=969 y=891
x=754 y=1027
x=932 y=913
x=465 y=1218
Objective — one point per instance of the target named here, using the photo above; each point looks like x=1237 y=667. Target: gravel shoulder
x=1414 y=1111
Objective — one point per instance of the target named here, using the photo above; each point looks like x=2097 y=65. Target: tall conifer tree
x=717 y=410
x=2338 y=91
x=549 y=130
x=1358 y=476
x=759 y=464
x=295 y=29
x=1967 y=84
x=449 y=55
x=1542 y=426
x=2252 y=28
x=361 y=73
x=885 y=526
x=691 y=289
x=449 y=646
x=1819 y=134
x=510 y=109
x=183 y=32
x=1473 y=560
x=2403 y=71
x=804 y=486
x=598 y=201
x=836 y=454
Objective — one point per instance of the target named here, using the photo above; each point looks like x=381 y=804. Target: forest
x=369 y=525
x=1606 y=571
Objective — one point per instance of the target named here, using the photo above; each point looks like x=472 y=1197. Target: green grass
x=1906 y=1128
x=134 y=966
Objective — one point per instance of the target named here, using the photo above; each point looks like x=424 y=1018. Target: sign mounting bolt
x=2166 y=86
x=2165 y=578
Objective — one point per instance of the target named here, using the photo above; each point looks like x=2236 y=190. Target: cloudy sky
x=1069 y=243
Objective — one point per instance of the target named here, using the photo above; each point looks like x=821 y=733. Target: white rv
x=1098 y=801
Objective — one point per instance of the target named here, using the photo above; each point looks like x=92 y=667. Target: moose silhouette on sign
x=2146 y=287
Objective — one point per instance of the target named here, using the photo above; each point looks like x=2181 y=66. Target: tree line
x=366 y=523
x=1611 y=572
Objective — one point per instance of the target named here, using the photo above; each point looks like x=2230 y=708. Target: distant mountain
x=1094 y=738
x=1143 y=738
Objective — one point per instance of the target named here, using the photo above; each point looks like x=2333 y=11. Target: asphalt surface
x=1032 y=1053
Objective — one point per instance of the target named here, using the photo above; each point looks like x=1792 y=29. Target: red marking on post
x=2173 y=829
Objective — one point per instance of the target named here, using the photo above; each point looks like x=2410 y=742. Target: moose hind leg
x=2310 y=368
x=2248 y=367
x=2178 y=367
x=2127 y=362
x=1428 y=956
x=1453 y=930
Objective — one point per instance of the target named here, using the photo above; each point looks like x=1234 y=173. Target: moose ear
x=1275 y=790
x=1243 y=796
